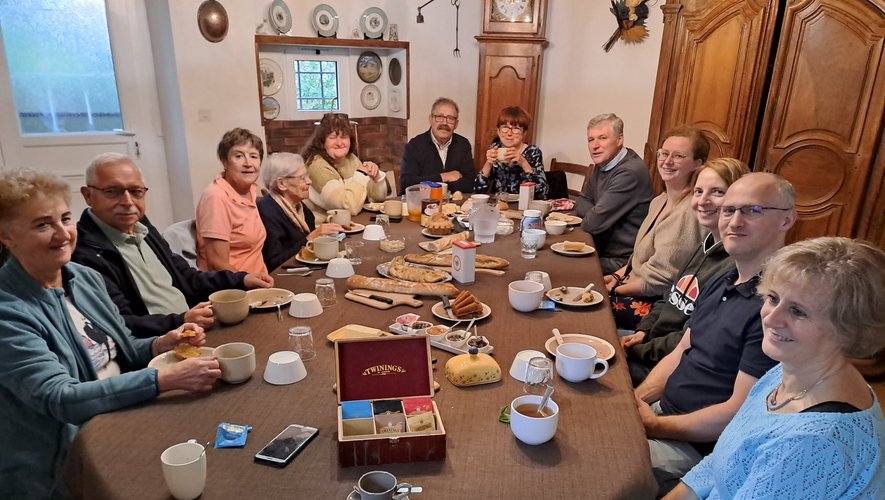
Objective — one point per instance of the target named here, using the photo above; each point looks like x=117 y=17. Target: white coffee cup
x=393 y=208
x=542 y=206
x=539 y=236
x=305 y=305
x=184 y=468
x=533 y=430
x=339 y=216
x=339 y=267
x=229 y=306
x=237 y=361
x=577 y=362
x=284 y=367
x=381 y=485
x=555 y=227
x=373 y=232
x=525 y=295
x=324 y=247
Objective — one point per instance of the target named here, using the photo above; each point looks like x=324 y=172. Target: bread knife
x=447 y=305
x=379 y=298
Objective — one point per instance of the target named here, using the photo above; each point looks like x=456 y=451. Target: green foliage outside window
x=317 y=85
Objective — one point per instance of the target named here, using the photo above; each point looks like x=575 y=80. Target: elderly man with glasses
x=154 y=289
x=439 y=154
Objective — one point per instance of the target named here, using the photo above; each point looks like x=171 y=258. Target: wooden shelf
x=328 y=42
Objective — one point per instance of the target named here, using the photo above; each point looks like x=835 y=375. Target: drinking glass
x=383 y=220
x=484 y=220
x=301 y=341
x=538 y=375
x=325 y=291
x=529 y=247
x=353 y=250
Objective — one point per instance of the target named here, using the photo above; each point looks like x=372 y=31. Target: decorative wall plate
x=394 y=71
x=271 y=76
x=270 y=108
x=395 y=101
x=373 y=22
x=325 y=20
x=368 y=67
x=370 y=97
x=279 y=16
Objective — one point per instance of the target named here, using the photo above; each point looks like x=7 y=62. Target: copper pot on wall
x=212 y=20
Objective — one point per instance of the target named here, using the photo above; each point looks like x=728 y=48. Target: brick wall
x=381 y=139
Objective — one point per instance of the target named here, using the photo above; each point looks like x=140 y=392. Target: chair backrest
x=182 y=239
x=572 y=168
x=392 y=177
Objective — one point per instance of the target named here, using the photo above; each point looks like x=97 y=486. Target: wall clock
x=517 y=17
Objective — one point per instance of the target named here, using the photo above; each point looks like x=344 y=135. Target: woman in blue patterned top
x=509 y=160
x=811 y=427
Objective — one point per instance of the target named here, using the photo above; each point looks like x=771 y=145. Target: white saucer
x=355 y=227
x=426 y=232
x=169 y=358
x=604 y=350
x=560 y=249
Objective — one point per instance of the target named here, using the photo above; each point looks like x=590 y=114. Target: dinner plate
x=353 y=331
x=426 y=232
x=439 y=310
x=509 y=197
x=383 y=268
x=373 y=207
x=169 y=358
x=560 y=249
x=570 y=220
x=566 y=298
x=267 y=296
x=325 y=20
x=280 y=17
x=604 y=350
x=316 y=262
x=373 y=22
x=271 y=76
x=355 y=227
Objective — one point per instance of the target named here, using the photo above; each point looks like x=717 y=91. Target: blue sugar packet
x=356 y=409
x=231 y=435
x=547 y=305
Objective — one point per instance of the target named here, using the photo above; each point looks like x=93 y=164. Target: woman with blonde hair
x=338 y=178
x=811 y=427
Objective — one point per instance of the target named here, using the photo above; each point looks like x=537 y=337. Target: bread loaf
x=388 y=285
x=482 y=261
x=572 y=246
x=466 y=305
x=444 y=243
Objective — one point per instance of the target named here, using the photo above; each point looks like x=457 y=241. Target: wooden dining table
x=599 y=450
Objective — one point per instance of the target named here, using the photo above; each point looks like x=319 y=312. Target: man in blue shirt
x=696 y=390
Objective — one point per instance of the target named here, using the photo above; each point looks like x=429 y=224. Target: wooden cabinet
x=794 y=87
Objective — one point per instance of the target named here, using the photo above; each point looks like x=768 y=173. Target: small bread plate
x=353 y=331
x=384 y=270
x=316 y=261
x=373 y=207
x=169 y=358
x=268 y=298
x=560 y=249
x=571 y=220
x=439 y=310
x=604 y=350
x=426 y=232
x=355 y=227
x=565 y=298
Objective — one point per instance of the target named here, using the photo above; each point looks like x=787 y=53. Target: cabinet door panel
x=822 y=122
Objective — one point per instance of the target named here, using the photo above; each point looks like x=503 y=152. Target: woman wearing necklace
x=811 y=427
x=288 y=224
x=659 y=332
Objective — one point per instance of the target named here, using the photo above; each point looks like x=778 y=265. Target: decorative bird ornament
x=631 y=16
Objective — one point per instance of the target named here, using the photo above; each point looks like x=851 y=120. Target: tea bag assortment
x=389 y=416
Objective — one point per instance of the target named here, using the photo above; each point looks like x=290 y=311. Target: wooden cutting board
x=398 y=299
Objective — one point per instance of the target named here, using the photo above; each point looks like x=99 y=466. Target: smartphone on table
x=286 y=445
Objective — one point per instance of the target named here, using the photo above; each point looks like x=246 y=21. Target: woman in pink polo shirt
x=230 y=234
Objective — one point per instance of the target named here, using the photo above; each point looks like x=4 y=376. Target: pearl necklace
x=771 y=400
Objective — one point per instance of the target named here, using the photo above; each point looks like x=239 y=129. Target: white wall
x=579 y=79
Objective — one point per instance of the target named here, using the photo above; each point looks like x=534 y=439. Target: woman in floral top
x=509 y=160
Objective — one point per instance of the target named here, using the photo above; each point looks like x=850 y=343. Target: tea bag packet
x=231 y=435
x=356 y=409
x=419 y=414
x=389 y=416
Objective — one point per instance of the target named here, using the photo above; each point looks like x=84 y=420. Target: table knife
x=581 y=293
x=379 y=298
x=447 y=306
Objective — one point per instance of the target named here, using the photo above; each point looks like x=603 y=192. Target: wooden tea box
x=376 y=378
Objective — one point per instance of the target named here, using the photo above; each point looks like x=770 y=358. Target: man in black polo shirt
x=696 y=390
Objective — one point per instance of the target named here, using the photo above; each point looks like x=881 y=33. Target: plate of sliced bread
x=572 y=248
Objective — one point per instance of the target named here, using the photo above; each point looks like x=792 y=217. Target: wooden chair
x=572 y=168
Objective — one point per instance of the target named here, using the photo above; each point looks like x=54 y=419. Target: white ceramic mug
x=324 y=247
x=229 y=306
x=533 y=430
x=381 y=485
x=184 y=469
x=393 y=208
x=525 y=295
x=237 y=361
x=577 y=362
x=339 y=216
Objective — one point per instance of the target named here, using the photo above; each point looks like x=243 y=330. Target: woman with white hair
x=289 y=226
